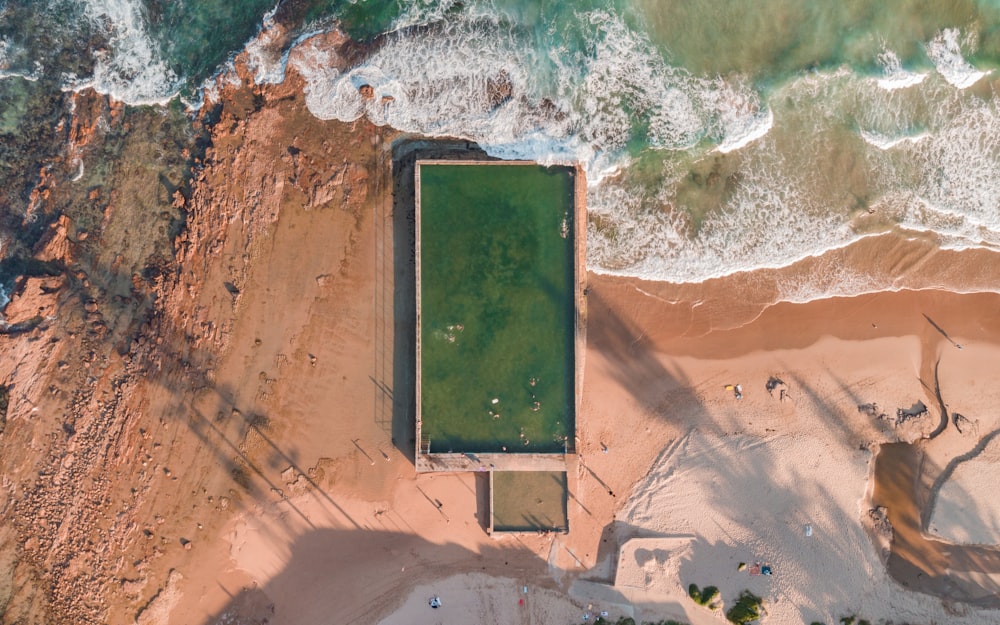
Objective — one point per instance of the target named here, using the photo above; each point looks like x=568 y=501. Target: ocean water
x=720 y=139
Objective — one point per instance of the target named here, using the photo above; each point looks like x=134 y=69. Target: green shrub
x=708 y=593
x=694 y=593
x=747 y=608
x=703 y=596
x=847 y=620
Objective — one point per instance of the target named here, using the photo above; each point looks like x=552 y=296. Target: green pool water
x=497 y=316
x=525 y=501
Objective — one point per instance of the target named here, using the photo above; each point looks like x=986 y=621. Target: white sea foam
x=435 y=82
x=620 y=76
x=32 y=76
x=13 y=62
x=266 y=57
x=957 y=177
x=894 y=75
x=887 y=142
x=626 y=77
x=209 y=90
x=264 y=54
x=901 y=81
x=782 y=206
x=946 y=53
x=833 y=281
x=767 y=223
x=938 y=185
x=131 y=69
x=827 y=282
x=747 y=132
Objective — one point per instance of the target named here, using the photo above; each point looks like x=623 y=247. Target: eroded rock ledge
x=114 y=335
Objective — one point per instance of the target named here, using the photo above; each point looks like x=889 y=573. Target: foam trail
x=957 y=178
x=829 y=284
x=757 y=128
x=770 y=218
x=586 y=106
x=945 y=52
x=31 y=76
x=894 y=76
x=885 y=142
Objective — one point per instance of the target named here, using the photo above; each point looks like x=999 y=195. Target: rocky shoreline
x=117 y=320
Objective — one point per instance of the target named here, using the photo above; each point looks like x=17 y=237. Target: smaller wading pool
x=528 y=501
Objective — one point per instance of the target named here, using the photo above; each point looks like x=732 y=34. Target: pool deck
x=426 y=461
x=491 y=462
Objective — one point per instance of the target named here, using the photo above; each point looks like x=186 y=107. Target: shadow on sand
x=353 y=577
x=398 y=344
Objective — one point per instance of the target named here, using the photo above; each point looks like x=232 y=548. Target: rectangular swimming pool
x=496 y=315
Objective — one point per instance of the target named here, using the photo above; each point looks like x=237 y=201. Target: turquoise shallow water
x=718 y=137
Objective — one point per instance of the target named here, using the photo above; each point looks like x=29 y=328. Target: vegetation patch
x=746 y=610
x=704 y=596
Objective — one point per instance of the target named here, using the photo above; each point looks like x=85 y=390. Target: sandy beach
x=260 y=408
x=701 y=481
x=676 y=482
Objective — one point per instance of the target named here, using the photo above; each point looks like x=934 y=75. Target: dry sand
x=719 y=480
x=961 y=514
x=352 y=532
x=744 y=478
x=702 y=481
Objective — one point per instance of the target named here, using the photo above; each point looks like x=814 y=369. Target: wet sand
x=918 y=561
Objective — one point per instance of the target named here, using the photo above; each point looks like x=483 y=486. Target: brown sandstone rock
x=499 y=89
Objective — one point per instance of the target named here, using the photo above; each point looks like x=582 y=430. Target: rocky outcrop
x=116 y=327
x=499 y=89
x=71 y=498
